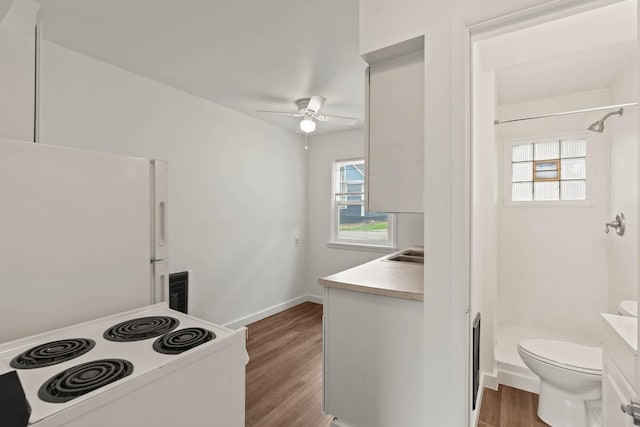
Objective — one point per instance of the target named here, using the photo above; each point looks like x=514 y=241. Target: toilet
x=570 y=379
x=628 y=308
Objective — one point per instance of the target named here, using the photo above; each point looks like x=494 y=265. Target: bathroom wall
x=553 y=259
x=623 y=274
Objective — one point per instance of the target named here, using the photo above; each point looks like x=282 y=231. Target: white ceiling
x=563 y=74
x=250 y=54
x=575 y=54
x=243 y=54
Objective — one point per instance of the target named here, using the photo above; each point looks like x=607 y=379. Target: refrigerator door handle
x=160 y=211
x=163 y=224
x=160 y=282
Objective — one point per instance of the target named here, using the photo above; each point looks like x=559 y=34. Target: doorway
x=542 y=189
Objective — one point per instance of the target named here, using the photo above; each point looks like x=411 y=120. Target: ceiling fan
x=308 y=109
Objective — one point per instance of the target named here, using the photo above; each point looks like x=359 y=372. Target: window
x=549 y=170
x=351 y=223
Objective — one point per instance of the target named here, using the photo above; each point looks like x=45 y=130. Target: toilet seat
x=566 y=355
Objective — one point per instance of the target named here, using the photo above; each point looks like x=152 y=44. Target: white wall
x=322 y=260
x=623 y=251
x=445 y=26
x=17 y=70
x=553 y=268
x=237 y=184
x=484 y=250
x=383 y=23
x=484 y=216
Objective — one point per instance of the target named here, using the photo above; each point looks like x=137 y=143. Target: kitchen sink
x=415 y=256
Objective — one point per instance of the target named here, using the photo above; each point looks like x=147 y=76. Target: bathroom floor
x=509 y=407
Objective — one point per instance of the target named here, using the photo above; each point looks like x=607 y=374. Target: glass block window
x=549 y=170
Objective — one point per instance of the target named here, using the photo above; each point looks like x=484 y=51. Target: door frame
x=466 y=35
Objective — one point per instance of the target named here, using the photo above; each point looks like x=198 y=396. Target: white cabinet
x=394 y=132
x=619 y=368
x=616 y=391
x=373 y=359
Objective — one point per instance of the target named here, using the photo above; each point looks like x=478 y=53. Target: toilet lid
x=570 y=355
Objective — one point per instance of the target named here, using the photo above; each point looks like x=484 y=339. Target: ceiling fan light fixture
x=308 y=114
x=307 y=125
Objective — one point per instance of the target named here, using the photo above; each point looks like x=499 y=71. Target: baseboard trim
x=518 y=377
x=475 y=414
x=270 y=311
x=335 y=422
x=490 y=381
x=314 y=298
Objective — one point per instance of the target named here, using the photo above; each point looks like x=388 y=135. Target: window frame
x=507 y=171
x=390 y=245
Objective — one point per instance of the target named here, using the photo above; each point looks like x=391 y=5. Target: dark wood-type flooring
x=284 y=374
x=284 y=377
x=509 y=407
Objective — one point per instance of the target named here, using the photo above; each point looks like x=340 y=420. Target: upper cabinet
x=394 y=129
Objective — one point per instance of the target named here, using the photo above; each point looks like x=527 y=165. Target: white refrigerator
x=82 y=235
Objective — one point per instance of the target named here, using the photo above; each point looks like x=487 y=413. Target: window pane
x=522 y=172
x=573 y=148
x=522 y=153
x=353 y=171
x=573 y=190
x=356 y=224
x=522 y=191
x=574 y=168
x=352 y=224
x=546 y=190
x=546 y=170
x=546 y=150
x=350 y=176
x=350 y=198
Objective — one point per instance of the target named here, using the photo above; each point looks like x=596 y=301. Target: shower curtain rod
x=586 y=110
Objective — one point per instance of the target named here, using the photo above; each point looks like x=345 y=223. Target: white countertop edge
x=370 y=278
x=625 y=327
x=373 y=290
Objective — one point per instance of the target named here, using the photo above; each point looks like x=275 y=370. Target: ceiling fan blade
x=337 y=119
x=315 y=103
x=282 y=113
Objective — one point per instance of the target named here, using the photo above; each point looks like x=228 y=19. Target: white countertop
x=625 y=327
x=395 y=279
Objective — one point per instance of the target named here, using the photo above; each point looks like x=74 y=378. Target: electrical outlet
x=297 y=242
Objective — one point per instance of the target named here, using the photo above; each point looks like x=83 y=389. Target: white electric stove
x=147 y=367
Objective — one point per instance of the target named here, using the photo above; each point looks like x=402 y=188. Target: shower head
x=599 y=125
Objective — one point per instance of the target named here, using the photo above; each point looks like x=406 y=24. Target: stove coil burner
x=52 y=353
x=182 y=340
x=141 y=328
x=84 y=378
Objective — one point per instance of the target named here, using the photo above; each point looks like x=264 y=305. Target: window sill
x=549 y=204
x=361 y=247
